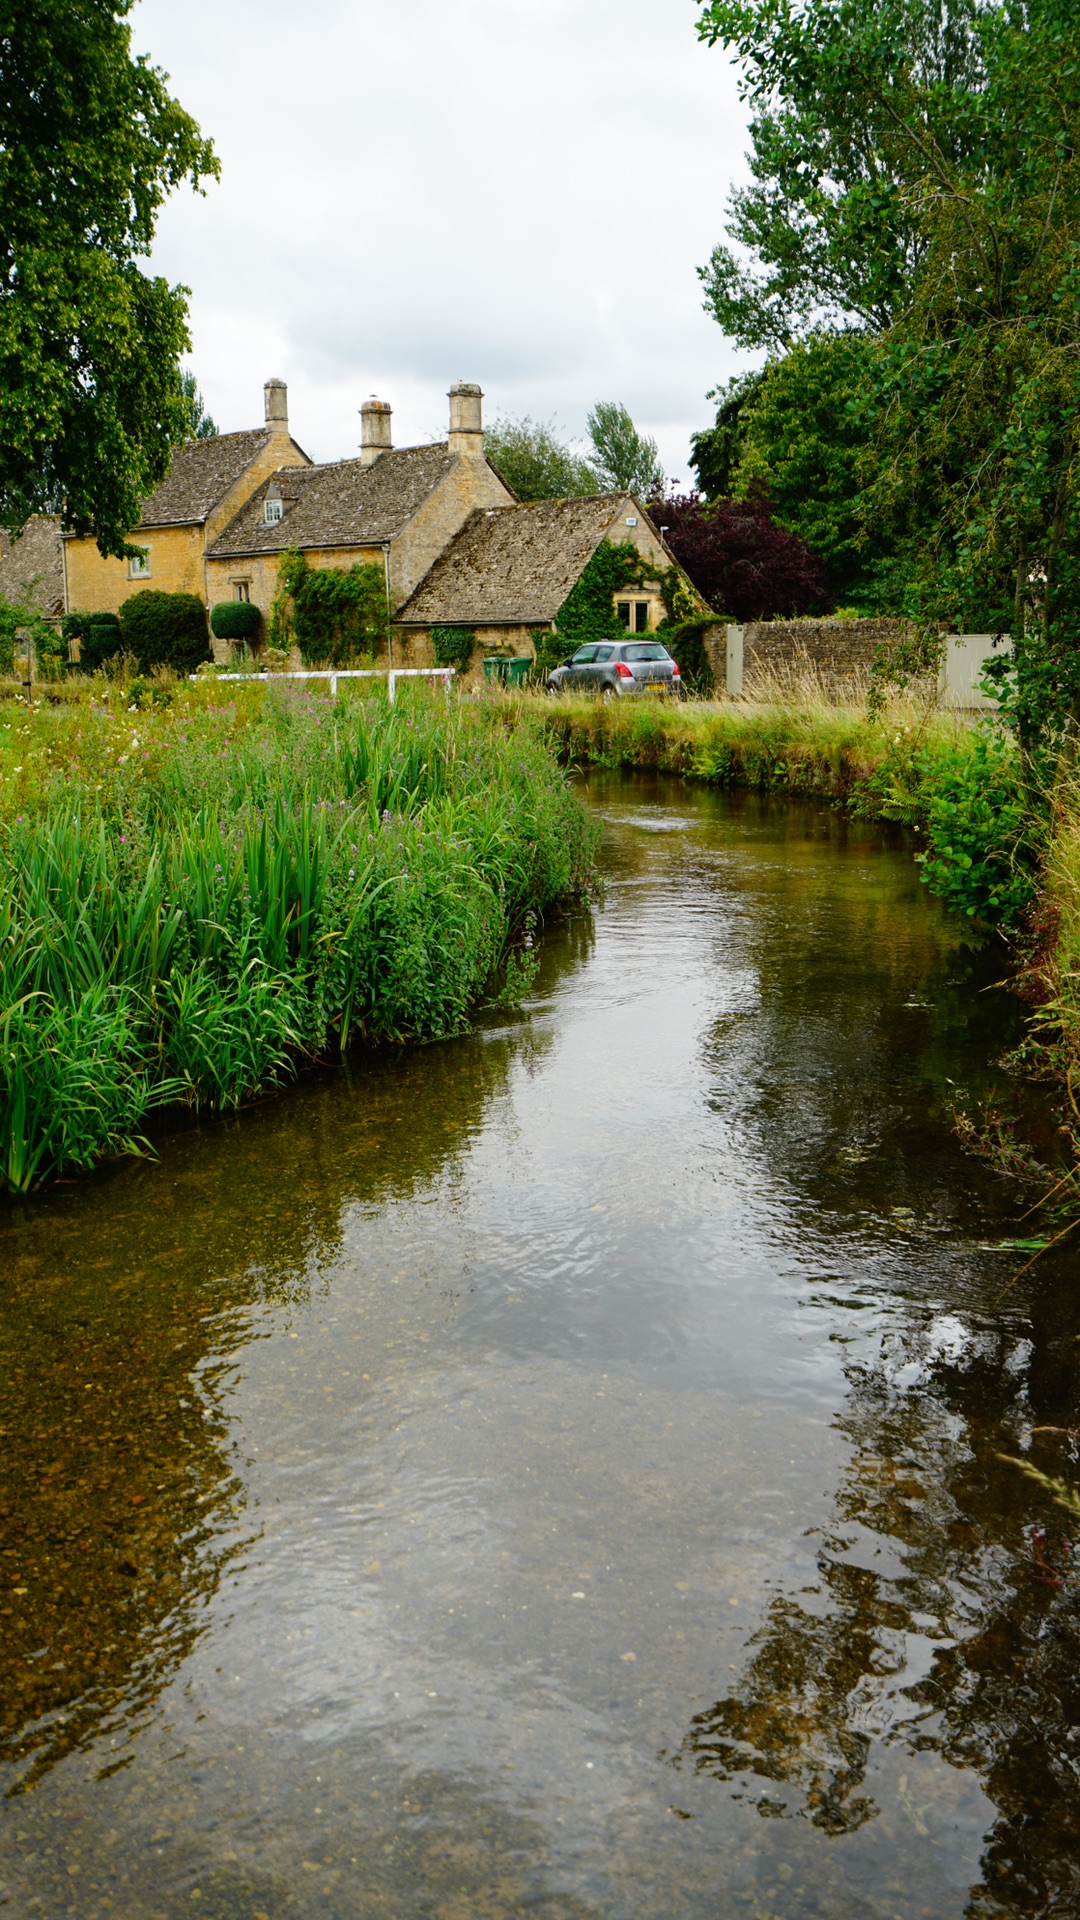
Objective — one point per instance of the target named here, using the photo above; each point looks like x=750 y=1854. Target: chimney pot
x=466 y=418
x=276 y=404
x=374 y=431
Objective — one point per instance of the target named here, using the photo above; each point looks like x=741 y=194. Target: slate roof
x=32 y=565
x=343 y=504
x=201 y=474
x=513 y=565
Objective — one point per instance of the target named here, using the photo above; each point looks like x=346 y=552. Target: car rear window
x=583 y=657
x=646 y=650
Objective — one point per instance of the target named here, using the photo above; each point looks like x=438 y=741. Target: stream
x=557 y=1471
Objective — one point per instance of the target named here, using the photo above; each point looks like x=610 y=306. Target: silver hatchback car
x=617 y=667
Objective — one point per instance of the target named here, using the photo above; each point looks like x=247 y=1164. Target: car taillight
x=675 y=674
x=623 y=670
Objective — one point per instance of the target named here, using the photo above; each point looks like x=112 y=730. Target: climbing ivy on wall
x=335 y=615
x=588 y=612
x=453 y=646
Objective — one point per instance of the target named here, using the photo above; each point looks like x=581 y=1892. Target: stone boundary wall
x=839 y=650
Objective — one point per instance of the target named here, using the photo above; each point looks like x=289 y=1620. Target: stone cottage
x=509 y=569
x=205 y=486
x=396 y=507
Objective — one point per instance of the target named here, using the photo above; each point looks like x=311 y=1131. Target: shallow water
x=557 y=1471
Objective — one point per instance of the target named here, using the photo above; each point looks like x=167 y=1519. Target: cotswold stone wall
x=840 y=649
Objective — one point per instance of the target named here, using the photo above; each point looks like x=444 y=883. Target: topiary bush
x=164 y=630
x=235 y=620
x=98 y=635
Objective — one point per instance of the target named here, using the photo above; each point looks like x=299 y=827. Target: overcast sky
x=510 y=191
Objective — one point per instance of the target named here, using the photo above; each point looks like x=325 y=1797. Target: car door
x=600 y=671
x=577 y=673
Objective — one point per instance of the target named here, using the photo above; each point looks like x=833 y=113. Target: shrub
x=235 y=620
x=453 y=646
x=16 y=618
x=98 y=635
x=164 y=630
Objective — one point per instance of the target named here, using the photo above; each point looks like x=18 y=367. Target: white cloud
x=509 y=191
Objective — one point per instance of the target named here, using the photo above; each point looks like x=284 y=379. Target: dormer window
x=273 y=506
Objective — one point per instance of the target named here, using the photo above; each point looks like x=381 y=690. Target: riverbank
x=952 y=782
x=198 y=898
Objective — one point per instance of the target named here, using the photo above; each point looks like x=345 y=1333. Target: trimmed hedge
x=165 y=630
x=235 y=620
x=98 y=635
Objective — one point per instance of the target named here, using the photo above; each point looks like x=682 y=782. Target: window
x=603 y=653
x=139 y=566
x=242 y=589
x=622 y=608
x=584 y=657
x=646 y=651
x=641 y=616
x=273 y=508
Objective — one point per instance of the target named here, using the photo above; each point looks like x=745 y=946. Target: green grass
x=198 y=897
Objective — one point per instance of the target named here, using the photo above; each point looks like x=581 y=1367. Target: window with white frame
x=139 y=565
x=273 y=507
x=242 y=589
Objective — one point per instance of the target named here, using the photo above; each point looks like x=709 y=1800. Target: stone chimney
x=466 y=420
x=276 y=403
x=374 y=431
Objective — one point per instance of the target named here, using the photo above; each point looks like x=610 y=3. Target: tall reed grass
x=194 y=901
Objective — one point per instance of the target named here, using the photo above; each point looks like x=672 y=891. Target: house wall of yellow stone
x=99 y=584
x=258 y=572
x=470 y=483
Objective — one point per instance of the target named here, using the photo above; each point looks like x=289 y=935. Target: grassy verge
x=198 y=896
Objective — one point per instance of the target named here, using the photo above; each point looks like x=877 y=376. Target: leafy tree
x=535 y=462
x=917 y=166
x=716 y=452
x=837 y=137
x=625 y=460
x=200 y=425
x=91 y=141
x=740 y=560
x=806 y=435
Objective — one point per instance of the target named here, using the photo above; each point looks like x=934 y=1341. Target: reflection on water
x=559 y=1470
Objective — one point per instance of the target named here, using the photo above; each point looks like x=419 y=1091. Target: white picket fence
x=390 y=674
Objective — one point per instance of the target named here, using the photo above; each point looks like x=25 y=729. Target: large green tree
x=91 y=142
x=625 y=459
x=535 y=462
x=917 y=172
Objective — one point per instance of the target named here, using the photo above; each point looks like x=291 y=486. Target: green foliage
x=15 y=618
x=91 y=400
x=624 y=460
x=98 y=635
x=588 y=612
x=807 y=434
x=257 y=885
x=199 y=424
x=968 y=798
x=335 y=615
x=535 y=462
x=685 y=641
x=453 y=646
x=715 y=452
x=918 y=169
x=164 y=630
x=235 y=620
